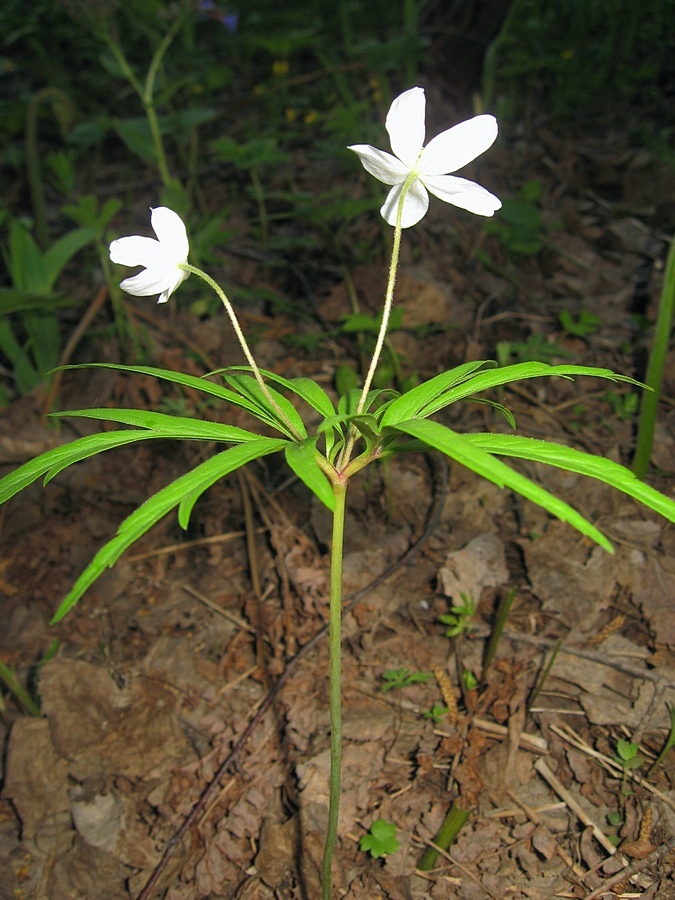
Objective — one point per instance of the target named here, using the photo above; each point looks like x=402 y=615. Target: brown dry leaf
x=36 y=780
x=480 y=564
x=101 y=728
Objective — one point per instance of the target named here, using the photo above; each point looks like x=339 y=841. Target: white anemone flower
x=162 y=258
x=449 y=151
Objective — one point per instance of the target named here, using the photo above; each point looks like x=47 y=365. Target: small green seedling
x=469 y=680
x=460 y=618
x=628 y=758
x=627 y=755
x=584 y=324
x=625 y=406
x=436 y=713
x=400 y=678
x=380 y=840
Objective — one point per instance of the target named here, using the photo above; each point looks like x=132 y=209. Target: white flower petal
x=162 y=259
x=170 y=229
x=385 y=167
x=405 y=125
x=454 y=148
x=463 y=193
x=135 y=251
x=415 y=205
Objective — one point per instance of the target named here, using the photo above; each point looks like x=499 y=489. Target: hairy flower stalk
x=166 y=268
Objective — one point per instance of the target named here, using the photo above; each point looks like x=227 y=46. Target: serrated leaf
x=409 y=405
x=180 y=427
x=155 y=508
x=192 y=382
x=301 y=457
x=249 y=388
x=504 y=375
x=469 y=454
x=231 y=459
x=53 y=461
x=573 y=460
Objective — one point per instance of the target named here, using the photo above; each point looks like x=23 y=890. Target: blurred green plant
x=580 y=326
x=401 y=678
x=29 y=325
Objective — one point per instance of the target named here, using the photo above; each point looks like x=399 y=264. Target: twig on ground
x=638 y=865
x=579 y=812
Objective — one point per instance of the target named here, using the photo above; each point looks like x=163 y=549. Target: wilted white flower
x=162 y=258
x=449 y=151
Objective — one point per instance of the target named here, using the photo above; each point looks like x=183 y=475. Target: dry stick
x=636 y=866
x=201 y=804
x=534 y=817
x=565 y=795
x=614 y=768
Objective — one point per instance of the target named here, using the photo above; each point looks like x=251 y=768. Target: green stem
x=146 y=93
x=447 y=833
x=335 y=702
x=149 y=102
x=496 y=633
x=657 y=362
x=244 y=346
x=259 y=195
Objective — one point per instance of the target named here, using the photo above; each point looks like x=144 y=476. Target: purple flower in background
x=211 y=10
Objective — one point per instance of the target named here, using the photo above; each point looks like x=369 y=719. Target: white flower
x=449 y=151
x=162 y=258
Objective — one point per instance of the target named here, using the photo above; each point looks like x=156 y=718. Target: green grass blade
x=657 y=362
x=180 y=491
x=572 y=460
x=469 y=454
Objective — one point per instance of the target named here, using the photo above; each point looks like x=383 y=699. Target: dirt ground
x=168 y=658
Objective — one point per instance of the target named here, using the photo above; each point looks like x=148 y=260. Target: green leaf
x=192 y=382
x=180 y=427
x=410 y=404
x=250 y=389
x=463 y=450
x=380 y=841
x=60 y=253
x=302 y=458
x=517 y=372
x=183 y=491
x=230 y=460
x=572 y=460
x=53 y=461
x=305 y=388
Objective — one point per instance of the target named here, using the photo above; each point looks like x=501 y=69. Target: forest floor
x=169 y=656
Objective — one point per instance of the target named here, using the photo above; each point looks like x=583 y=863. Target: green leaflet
x=411 y=403
x=182 y=427
x=302 y=460
x=183 y=492
x=469 y=454
x=53 y=461
x=573 y=460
